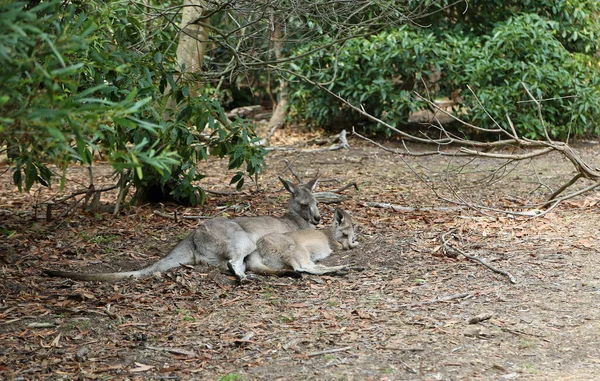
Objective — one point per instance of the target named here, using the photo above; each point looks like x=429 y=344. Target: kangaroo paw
x=357 y=268
x=291 y=274
x=240 y=277
x=343 y=271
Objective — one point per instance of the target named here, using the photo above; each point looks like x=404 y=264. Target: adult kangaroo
x=223 y=242
x=300 y=249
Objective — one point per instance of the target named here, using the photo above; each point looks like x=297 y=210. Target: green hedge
x=381 y=72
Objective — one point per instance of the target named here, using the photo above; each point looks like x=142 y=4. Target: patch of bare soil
x=413 y=313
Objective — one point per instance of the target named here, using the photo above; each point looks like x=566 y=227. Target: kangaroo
x=225 y=242
x=300 y=249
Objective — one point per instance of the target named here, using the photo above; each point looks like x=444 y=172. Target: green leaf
x=30 y=175
x=18 y=179
x=125 y=122
x=67 y=70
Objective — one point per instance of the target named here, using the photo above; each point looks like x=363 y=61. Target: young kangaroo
x=225 y=242
x=299 y=250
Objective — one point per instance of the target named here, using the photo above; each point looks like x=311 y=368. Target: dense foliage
x=84 y=80
x=497 y=48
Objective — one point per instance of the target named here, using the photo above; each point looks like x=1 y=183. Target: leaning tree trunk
x=191 y=48
x=280 y=108
x=193 y=36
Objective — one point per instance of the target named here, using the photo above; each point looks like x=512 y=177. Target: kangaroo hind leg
x=315 y=269
x=255 y=264
x=302 y=263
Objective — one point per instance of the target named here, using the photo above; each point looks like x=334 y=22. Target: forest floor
x=407 y=316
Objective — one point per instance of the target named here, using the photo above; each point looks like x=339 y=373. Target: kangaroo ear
x=312 y=184
x=289 y=186
x=338 y=215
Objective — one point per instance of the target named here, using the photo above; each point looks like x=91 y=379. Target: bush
x=69 y=90
x=522 y=51
x=380 y=73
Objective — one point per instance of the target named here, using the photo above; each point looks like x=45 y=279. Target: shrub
x=69 y=90
x=381 y=72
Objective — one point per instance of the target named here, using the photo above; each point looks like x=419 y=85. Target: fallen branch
x=398 y=208
x=335 y=350
x=292 y=171
x=463 y=295
x=177 y=351
x=222 y=193
x=352 y=184
x=452 y=249
x=334 y=196
x=481 y=317
x=343 y=144
x=174 y=216
x=507 y=137
x=329 y=197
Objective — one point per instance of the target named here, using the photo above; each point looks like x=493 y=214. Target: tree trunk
x=191 y=48
x=280 y=108
x=193 y=37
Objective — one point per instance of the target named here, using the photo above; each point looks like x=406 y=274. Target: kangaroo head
x=343 y=230
x=303 y=203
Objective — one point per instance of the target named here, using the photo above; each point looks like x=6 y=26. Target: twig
x=463 y=295
x=177 y=351
x=110 y=314
x=289 y=166
x=450 y=248
x=329 y=351
x=84 y=191
x=175 y=217
x=329 y=197
x=481 y=317
x=398 y=208
x=222 y=193
x=449 y=298
x=565 y=186
x=342 y=145
x=352 y=184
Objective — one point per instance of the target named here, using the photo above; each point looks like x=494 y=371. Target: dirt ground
x=407 y=316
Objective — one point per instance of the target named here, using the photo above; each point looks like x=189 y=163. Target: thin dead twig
x=292 y=171
x=398 y=208
x=448 y=247
x=334 y=350
x=223 y=193
x=463 y=295
x=343 y=144
x=175 y=216
x=352 y=184
x=177 y=351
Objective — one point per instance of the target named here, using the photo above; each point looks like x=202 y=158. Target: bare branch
x=448 y=247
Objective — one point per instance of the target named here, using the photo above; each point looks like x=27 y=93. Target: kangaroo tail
x=182 y=254
x=99 y=277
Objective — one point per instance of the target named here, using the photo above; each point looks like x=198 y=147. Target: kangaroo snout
x=315 y=219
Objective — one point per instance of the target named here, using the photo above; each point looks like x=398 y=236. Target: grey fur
x=300 y=249
x=222 y=242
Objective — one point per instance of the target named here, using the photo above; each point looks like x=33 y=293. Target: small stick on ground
x=352 y=184
x=329 y=351
x=222 y=193
x=177 y=351
x=342 y=145
x=188 y=217
x=398 y=208
x=462 y=295
x=289 y=166
x=450 y=248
